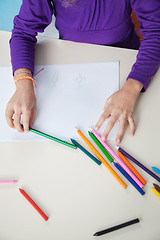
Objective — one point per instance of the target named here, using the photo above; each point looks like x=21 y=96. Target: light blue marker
x=156 y=170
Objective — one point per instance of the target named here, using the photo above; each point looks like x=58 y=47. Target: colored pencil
x=156 y=192
x=100 y=146
x=33 y=204
x=101 y=158
x=156 y=170
x=139 y=164
x=129 y=178
x=86 y=152
x=156 y=187
x=131 y=167
x=51 y=138
x=117 y=227
x=117 y=159
x=8 y=181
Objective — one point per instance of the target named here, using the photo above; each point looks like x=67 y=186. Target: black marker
x=117 y=227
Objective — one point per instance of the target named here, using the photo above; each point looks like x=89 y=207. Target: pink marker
x=8 y=181
x=117 y=159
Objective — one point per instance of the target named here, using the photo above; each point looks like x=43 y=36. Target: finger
x=9 y=114
x=101 y=120
x=33 y=116
x=26 y=119
x=17 y=119
x=132 y=125
x=109 y=126
x=121 y=130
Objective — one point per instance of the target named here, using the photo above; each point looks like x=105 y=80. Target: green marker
x=100 y=146
x=52 y=138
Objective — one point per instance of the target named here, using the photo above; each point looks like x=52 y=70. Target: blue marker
x=129 y=178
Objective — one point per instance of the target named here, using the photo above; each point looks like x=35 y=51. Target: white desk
x=80 y=197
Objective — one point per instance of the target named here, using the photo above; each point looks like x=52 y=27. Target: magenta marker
x=117 y=159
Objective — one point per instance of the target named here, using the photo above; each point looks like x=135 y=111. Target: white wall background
x=50 y=31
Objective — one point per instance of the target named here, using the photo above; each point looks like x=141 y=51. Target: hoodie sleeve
x=34 y=16
x=148 y=57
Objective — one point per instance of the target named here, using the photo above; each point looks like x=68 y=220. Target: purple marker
x=138 y=163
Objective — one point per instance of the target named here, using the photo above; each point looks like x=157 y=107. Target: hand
x=120 y=106
x=23 y=102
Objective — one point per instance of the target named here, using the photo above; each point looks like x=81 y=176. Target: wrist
x=22 y=72
x=24 y=84
x=133 y=86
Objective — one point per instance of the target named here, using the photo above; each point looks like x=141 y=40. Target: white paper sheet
x=67 y=96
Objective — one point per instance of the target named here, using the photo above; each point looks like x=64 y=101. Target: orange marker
x=101 y=158
x=131 y=167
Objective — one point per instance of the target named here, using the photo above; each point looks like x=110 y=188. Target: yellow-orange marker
x=101 y=158
x=131 y=167
x=156 y=192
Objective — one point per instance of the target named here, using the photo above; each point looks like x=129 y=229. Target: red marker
x=33 y=204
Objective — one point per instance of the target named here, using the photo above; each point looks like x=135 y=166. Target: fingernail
x=117 y=141
x=26 y=130
x=103 y=139
x=96 y=128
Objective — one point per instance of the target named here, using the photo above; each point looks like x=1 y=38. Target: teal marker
x=86 y=152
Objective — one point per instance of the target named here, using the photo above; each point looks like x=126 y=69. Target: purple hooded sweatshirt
x=103 y=22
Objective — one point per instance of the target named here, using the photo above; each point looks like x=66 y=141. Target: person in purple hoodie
x=103 y=22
